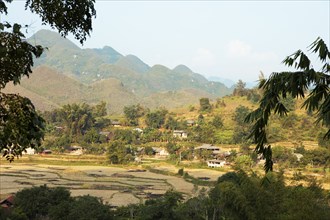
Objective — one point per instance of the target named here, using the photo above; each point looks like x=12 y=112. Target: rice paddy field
x=118 y=185
x=114 y=185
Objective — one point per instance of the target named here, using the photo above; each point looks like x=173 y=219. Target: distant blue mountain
x=230 y=83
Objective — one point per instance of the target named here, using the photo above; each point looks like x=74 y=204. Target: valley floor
x=115 y=185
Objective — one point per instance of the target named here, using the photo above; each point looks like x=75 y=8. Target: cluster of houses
x=216 y=153
x=219 y=156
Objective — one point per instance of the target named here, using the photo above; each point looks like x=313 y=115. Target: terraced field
x=117 y=186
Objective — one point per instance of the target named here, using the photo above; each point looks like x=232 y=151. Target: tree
x=243 y=162
x=196 y=208
x=295 y=84
x=151 y=135
x=240 y=89
x=133 y=113
x=38 y=201
x=126 y=136
x=160 y=208
x=156 y=119
x=56 y=203
x=200 y=119
x=81 y=208
x=92 y=136
x=78 y=118
x=240 y=114
x=20 y=125
x=237 y=195
x=118 y=153
x=204 y=133
x=205 y=105
x=217 y=121
x=253 y=95
x=172 y=123
x=100 y=109
x=16 y=61
x=172 y=148
x=242 y=129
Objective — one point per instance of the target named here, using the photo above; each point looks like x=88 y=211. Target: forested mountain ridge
x=66 y=73
x=90 y=65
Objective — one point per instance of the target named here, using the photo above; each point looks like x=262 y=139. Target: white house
x=29 y=151
x=76 y=150
x=138 y=130
x=180 y=134
x=216 y=163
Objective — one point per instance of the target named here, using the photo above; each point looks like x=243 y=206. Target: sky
x=227 y=39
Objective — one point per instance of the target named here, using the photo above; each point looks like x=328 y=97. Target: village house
x=160 y=151
x=76 y=150
x=45 y=152
x=106 y=134
x=209 y=147
x=139 y=130
x=180 y=134
x=7 y=203
x=116 y=123
x=190 y=122
x=29 y=151
x=216 y=152
x=215 y=163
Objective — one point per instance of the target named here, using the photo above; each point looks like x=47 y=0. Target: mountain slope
x=133 y=63
x=107 y=54
x=66 y=73
x=49 y=89
x=40 y=102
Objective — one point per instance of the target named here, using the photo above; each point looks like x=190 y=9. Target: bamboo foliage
x=305 y=81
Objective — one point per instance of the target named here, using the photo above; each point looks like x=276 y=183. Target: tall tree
x=295 y=84
x=242 y=129
x=240 y=89
x=205 y=105
x=78 y=118
x=16 y=61
x=20 y=125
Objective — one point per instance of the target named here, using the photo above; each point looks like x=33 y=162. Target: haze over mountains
x=66 y=73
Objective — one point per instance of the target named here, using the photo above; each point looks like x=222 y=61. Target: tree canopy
x=17 y=59
x=306 y=81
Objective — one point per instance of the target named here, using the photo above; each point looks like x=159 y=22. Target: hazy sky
x=229 y=39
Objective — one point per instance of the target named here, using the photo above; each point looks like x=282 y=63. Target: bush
x=37 y=201
x=181 y=171
x=55 y=203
